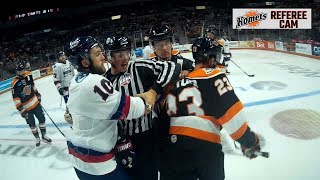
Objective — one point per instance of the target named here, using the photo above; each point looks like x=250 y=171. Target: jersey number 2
x=193 y=107
x=103 y=89
x=222 y=85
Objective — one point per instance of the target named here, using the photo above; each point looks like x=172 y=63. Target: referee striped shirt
x=141 y=76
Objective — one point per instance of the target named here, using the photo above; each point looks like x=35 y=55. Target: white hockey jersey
x=95 y=108
x=226 y=48
x=62 y=74
x=147 y=51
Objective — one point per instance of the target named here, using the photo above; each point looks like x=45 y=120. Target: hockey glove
x=38 y=96
x=124 y=153
x=61 y=91
x=188 y=65
x=250 y=152
x=25 y=115
x=68 y=117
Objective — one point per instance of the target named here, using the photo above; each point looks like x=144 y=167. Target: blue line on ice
x=250 y=104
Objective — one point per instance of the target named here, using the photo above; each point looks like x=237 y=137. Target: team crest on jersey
x=126 y=79
x=23 y=81
x=26 y=90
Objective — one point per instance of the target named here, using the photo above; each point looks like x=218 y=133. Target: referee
x=135 y=77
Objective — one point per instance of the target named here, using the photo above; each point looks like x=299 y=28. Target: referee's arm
x=170 y=72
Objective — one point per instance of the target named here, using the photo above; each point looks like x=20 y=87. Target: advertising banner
x=233 y=44
x=246 y=44
x=36 y=74
x=260 y=44
x=6 y=84
x=279 y=45
x=271 y=18
x=271 y=45
x=316 y=50
x=303 y=48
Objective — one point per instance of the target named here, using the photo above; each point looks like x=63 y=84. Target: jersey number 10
x=103 y=89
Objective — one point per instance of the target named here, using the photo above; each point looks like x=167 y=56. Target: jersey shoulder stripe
x=204 y=73
x=14 y=81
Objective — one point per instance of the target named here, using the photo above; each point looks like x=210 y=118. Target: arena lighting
x=115 y=17
x=200 y=7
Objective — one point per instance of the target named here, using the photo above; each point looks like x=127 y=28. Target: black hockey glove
x=61 y=91
x=188 y=65
x=249 y=152
x=38 y=96
x=124 y=153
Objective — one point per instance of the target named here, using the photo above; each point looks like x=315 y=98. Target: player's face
x=120 y=61
x=212 y=62
x=98 y=59
x=163 y=49
x=20 y=74
x=63 y=58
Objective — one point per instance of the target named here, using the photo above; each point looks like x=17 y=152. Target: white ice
x=290 y=158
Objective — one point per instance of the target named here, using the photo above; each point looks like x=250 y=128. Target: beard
x=99 y=71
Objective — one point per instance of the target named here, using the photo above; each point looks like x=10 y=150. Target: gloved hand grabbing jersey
x=124 y=153
x=250 y=151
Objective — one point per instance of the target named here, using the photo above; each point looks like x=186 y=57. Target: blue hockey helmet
x=79 y=48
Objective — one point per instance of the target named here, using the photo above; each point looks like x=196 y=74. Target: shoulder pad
x=27 y=73
x=152 y=55
x=175 y=52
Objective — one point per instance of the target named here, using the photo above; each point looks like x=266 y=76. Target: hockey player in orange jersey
x=199 y=106
x=27 y=100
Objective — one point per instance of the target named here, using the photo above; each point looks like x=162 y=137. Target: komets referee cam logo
x=271 y=18
x=251 y=19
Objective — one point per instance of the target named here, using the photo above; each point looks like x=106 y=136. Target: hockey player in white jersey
x=147 y=51
x=96 y=107
x=63 y=72
x=226 y=52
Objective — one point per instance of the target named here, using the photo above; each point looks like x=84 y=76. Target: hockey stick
x=261 y=153
x=250 y=75
x=60 y=101
x=52 y=121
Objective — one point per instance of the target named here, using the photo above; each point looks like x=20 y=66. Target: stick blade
x=263 y=154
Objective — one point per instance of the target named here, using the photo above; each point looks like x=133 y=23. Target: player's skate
x=46 y=139
x=37 y=141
